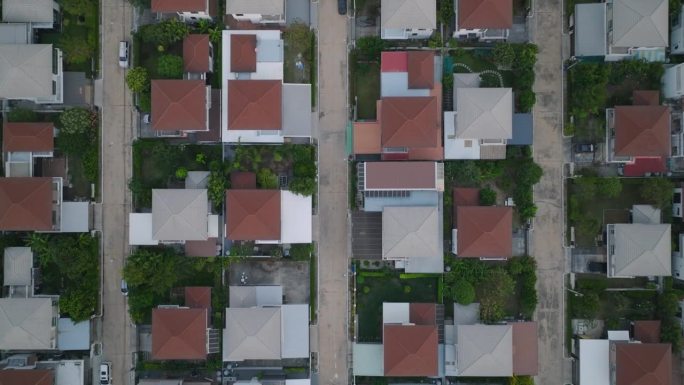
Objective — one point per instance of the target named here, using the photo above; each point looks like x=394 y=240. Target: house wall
x=677 y=35
x=190 y=17
x=672 y=82
x=408 y=33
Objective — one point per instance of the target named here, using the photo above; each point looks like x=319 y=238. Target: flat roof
x=590 y=29
x=73 y=336
x=400 y=175
x=593 y=362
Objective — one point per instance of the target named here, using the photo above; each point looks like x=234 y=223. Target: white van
x=123 y=54
x=105 y=373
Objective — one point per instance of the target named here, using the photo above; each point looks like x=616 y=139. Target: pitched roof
x=26 y=204
x=255 y=105
x=408 y=14
x=198 y=297
x=484 y=231
x=643 y=364
x=645 y=98
x=179 y=105
x=242 y=180
x=196 y=53
x=179 y=334
x=394 y=61
x=180 y=214
x=476 y=14
x=525 y=349
x=28 y=137
x=484 y=113
x=647 y=331
x=255 y=296
x=423 y=313
x=28 y=11
x=253 y=214
x=252 y=333
x=421 y=69
x=410 y=350
x=638 y=23
x=641 y=250
x=27 y=377
x=411 y=232
x=179 y=5
x=466 y=196
x=259 y=7
x=17 y=264
x=642 y=131
x=400 y=175
x=243 y=53
x=25 y=70
x=26 y=324
x=410 y=122
x=484 y=350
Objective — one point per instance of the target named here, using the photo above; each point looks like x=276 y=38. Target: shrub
x=586 y=305
x=360 y=280
x=77 y=121
x=610 y=187
x=19 y=114
x=138 y=79
x=164 y=33
x=91 y=163
x=526 y=100
x=463 y=292
x=170 y=67
x=181 y=173
x=145 y=101
x=76 y=48
x=504 y=54
x=487 y=197
x=216 y=187
x=587 y=88
x=366 y=290
x=489 y=80
x=657 y=191
x=499 y=286
x=267 y=179
x=370 y=47
x=407 y=289
x=301 y=251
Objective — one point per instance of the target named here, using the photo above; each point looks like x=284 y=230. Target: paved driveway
x=292 y=275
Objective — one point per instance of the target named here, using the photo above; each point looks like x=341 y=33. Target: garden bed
x=366 y=86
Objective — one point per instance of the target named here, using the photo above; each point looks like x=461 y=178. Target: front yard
x=366 y=86
x=300 y=63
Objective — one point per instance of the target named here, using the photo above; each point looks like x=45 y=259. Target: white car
x=123 y=54
x=106 y=373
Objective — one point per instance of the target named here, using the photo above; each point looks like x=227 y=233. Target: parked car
x=584 y=148
x=124 y=287
x=597 y=267
x=123 y=54
x=342 y=7
x=106 y=373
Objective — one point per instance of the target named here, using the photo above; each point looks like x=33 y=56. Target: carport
x=367 y=235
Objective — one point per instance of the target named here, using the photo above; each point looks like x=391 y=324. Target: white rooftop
x=17 y=263
x=26 y=71
x=27 y=11
x=593 y=362
x=255 y=296
x=26 y=324
x=73 y=336
x=484 y=113
x=180 y=214
x=395 y=313
x=296 y=218
x=140 y=229
x=75 y=217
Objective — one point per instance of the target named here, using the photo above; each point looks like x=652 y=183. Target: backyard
x=367 y=90
x=300 y=56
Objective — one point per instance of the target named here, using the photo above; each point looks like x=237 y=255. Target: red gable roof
x=26 y=204
x=198 y=297
x=179 y=105
x=642 y=131
x=410 y=350
x=26 y=377
x=243 y=53
x=179 y=334
x=253 y=215
x=255 y=104
x=242 y=180
x=477 y=14
x=28 y=137
x=466 y=196
x=423 y=313
x=484 y=231
x=525 y=349
x=643 y=364
x=421 y=69
x=410 y=122
x=196 y=53
x=394 y=61
x=647 y=331
x=645 y=98
x=179 y=6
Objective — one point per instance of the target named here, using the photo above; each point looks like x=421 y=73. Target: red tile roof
x=26 y=377
x=32 y=137
x=421 y=69
x=255 y=105
x=179 y=334
x=410 y=122
x=196 y=53
x=201 y=248
x=643 y=364
x=642 y=131
x=645 y=165
x=394 y=61
x=179 y=6
x=198 y=297
x=484 y=231
x=645 y=98
x=253 y=215
x=26 y=204
x=466 y=196
x=423 y=313
x=647 y=331
x=179 y=105
x=243 y=53
x=400 y=175
x=525 y=349
x=410 y=351
x=243 y=180
x=477 y=14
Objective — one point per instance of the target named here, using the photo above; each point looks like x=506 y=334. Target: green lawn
x=477 y=59
x=387 y=289
x=367 y=86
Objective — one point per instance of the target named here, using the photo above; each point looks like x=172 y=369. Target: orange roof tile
x=179 y=105
x=255 y=105
x=410 y=122
x=421 y=69
x=410 y=350
x=253 y=215
x=477 y=14
x=643 y=364
x=642 y=131
x=196 y=53
x=179 y=334
x=243 y=53
x=28 y=137
x=484 y=231
x=26 y=204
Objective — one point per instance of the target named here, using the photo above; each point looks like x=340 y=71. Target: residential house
x=672 y=82
x=410 y=343
x=488 y=20
x=28 y=323
x=407 y=19
x=18 y=272
x=257 y=11
x=73 y=336
x=260 y=327
x=36 y=13
x=641 y=248
x=24 y=144
x=189 y=11
x=408 y=124
x=677 y=35
x=622 y=29
x=268 y=216
x=180 y=106
x=31 y=72
x=257 y=106
x=178 y=216
x=27 y=377
x=184 y=332
x=198 y=56
x=484 y=232
x=678 y=259
x=25 y=369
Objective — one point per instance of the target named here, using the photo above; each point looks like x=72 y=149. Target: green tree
x=585 y=305
x=587 y=86
x=446 y=12
x=463 y=292
x=499 y=286
x=77 y=121
x=164 y=33
x=503 y=54
x=370 y=47
x=79 y=7
x=489 y=80
x=303 y=186
x=138 y=79
x=216 y=187
x=181 y=173
x=657 y=191
x=170 y=67
x=487 y=197
x=76 y=48
x=267 y=179
x=610 y=187
x=19 y=114
x=526 y=100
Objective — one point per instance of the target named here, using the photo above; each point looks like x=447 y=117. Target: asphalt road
x=116 y=163
x=333 y=252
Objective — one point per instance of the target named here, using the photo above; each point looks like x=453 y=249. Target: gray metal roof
x=73 y=336
x=484 y=113
x=17 y=263
x=15 y=33
x=197 y=179
x=252 y=333
x=466 y=314
x=590 y=29
x=485 y=350
x=179 y=214
x=408 y=14
x=411 y=232
x=639 y=23
x=523 y=130
x=645 y=214
x=26 y=324
x=642 y=250
x=25 y=71
x=295 y=331
x=296 y=110
x=259 y=7
x=251 y=296
x=26 y=11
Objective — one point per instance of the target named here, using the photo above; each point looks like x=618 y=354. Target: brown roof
x=642 y=131
x=253 y=214
x=643 y=364
x=400 y=175
x=201 y=248
x=214 y=132
x=475 y=14
x=26 y=204
x=255 y=105
x=645 y=98
x=423 y=313
x=179 y=6
x=421 y=69
x=243 y=53
x=525 y=349
x=198 y=297
x=26 y=377
x=410 y=122
x=647 y=331
x=410 y=350
x=243 y=180
x=484 y=231
x=179 y=105
x=367 y=134
x=179 y=334
x=196 y=53
x=28 y=137
x=466 y=196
